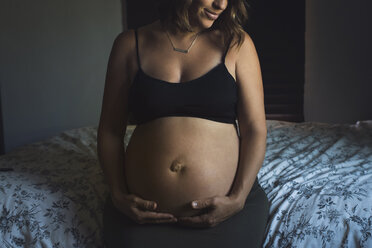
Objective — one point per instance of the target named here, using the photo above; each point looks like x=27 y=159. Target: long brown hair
x=174 y=14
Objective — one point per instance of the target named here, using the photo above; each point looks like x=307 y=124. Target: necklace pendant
x=180 y=50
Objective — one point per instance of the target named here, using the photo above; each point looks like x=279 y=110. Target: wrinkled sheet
x=318 y=178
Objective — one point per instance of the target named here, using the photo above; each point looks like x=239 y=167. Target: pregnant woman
x=191 y=82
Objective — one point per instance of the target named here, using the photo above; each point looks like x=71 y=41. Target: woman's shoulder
x=124 y=45
x=128 y=36
x=125 y=38
x=218 y=35
x=151 y=30
x=247 y=46
x=241 y=44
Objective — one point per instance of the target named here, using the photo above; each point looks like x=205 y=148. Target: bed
x=317 y=176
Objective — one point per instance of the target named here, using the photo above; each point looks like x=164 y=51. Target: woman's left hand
x=221 y=208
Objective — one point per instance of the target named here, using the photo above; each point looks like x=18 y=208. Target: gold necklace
x=179 y=49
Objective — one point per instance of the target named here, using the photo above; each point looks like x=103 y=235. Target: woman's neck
x=183 y=35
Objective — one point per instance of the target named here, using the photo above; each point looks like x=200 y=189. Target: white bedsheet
x=318 y=178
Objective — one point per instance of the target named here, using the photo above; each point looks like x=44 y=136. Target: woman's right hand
x=140 y=210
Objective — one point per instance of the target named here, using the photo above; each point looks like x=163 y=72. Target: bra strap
x=226 y=50
x=138 y=60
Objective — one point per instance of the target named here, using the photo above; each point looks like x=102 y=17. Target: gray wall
x=338 y=84
x=52 y=66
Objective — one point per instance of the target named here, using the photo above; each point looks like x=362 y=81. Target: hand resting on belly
x=174 y=164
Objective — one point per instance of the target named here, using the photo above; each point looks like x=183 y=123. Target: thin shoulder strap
x=226 y=50
x=138 y=60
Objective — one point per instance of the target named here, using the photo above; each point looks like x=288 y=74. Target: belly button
x=177 y=166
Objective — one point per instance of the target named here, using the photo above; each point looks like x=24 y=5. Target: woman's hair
x=174 y=14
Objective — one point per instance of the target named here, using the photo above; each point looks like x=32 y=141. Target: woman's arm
x=110 y=148
x=114 y=114
x=111 y=133
x=252 y=154
x=251 y=118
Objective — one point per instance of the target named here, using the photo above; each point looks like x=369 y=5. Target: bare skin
x=174 y=160
x=171 y=161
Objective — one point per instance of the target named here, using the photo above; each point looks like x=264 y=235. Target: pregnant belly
x=176 y=160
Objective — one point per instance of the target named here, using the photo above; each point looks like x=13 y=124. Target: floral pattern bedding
x=318 y=178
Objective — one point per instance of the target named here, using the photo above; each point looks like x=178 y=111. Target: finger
x=155 y=215
x=166 y=220
x=198 y=221
x=147 y=205
x=198 y=204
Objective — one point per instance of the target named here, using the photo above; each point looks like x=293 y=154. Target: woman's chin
x=205 y=24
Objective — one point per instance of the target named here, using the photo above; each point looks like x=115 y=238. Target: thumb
x=148 y=205
x=198 y=204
